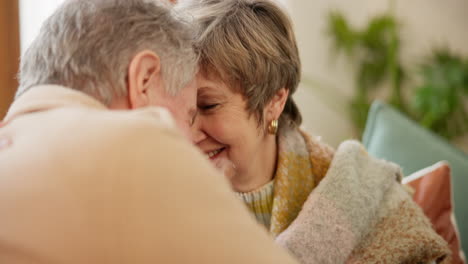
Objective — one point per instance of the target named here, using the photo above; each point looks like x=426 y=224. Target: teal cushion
x=392 y=136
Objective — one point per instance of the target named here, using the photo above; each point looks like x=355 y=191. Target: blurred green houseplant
x=375 y=51
x=438 y=104
x=441 y=100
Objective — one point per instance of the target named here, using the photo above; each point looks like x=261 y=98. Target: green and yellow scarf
x=302 y=162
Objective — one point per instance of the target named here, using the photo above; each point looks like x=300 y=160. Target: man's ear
x=143 y=74
x=276 y=106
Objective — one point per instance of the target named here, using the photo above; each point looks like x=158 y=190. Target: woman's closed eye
x=206 y=107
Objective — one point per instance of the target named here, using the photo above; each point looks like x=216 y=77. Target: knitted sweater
x=260 y=203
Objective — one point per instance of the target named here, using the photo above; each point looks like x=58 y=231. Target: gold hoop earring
x=273 y=127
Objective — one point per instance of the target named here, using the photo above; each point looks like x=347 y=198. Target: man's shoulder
x=124 y=128
x=86 y=129
x=152 y=120
x=74 y=141
x=115 y=122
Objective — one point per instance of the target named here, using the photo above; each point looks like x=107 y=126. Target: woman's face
x=225 y=132
x=230 y=136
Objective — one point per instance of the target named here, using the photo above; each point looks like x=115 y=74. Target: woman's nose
x=197 y=133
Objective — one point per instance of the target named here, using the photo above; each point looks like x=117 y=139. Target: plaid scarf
x=302 y=162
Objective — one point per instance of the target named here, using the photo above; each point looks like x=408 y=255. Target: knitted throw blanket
x=358 y=211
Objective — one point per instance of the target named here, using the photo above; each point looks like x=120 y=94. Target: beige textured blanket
x=360 y=213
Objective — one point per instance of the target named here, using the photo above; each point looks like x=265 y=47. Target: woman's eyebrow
x=211 y=92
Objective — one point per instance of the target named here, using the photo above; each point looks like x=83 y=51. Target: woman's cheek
x=222 y=129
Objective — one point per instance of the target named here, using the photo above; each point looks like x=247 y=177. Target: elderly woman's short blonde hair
x=250 y=45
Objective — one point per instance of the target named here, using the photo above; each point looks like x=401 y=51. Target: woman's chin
x=225 y=166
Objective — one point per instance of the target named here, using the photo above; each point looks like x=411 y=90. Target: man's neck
x=120 y=104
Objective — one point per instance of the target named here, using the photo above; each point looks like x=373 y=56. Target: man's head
x=125 y=53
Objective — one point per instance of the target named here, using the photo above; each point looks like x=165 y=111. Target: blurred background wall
x=425 y=24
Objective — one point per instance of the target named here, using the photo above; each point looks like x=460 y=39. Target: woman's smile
x=215 y=153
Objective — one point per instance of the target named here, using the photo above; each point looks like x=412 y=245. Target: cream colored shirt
x=82 y=184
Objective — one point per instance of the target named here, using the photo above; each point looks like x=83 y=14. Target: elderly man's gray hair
x=88 y=44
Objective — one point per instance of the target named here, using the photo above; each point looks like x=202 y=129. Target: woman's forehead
x=213 y=84
x=213 y=90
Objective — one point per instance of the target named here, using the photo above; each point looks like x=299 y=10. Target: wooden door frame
x=9 y=52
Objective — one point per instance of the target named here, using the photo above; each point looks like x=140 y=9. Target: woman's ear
x=143 y=74
x=276 y=106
